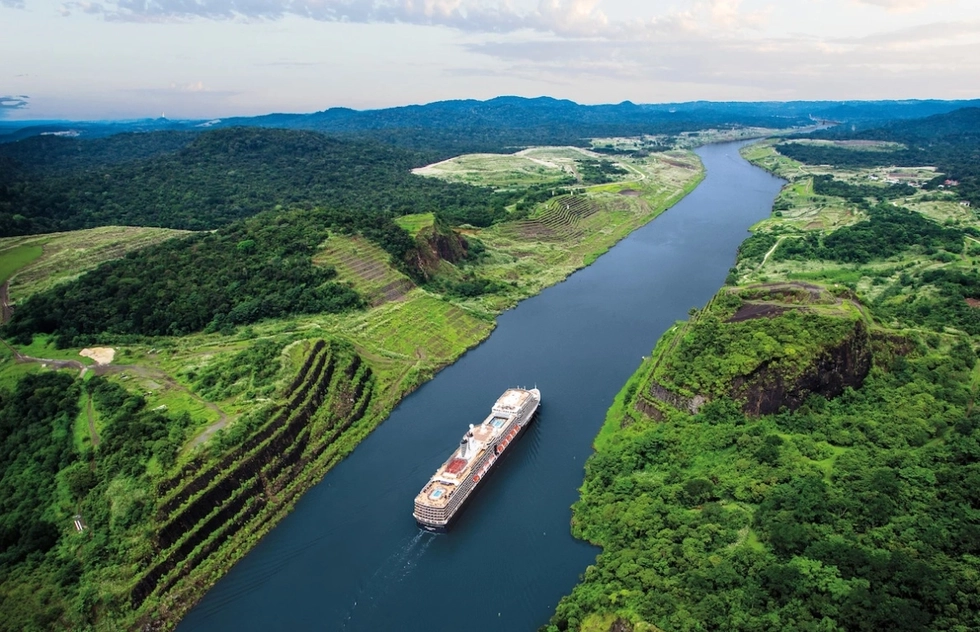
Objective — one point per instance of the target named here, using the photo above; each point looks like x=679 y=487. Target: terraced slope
x=366 y=266
x=561 y=219
x=229 y=503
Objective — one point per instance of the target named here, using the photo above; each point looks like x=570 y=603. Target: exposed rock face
x=691 y=404
x=434 y=245
x=766 y=391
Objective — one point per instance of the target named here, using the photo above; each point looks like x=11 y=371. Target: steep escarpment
x=768 y=389
x=204 y=510
x=435 y=246
x=767 y=347
x=733 y=488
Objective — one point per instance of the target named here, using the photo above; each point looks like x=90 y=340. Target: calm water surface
x=350 y=556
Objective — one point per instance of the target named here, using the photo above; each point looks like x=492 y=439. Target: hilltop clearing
x=556 y=166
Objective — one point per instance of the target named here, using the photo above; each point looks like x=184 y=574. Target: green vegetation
x=599 y=171
x=566 y=232
x=36 y=443
x=65 y=256
x=851 y=514
x=365 y=266
x=887 y=232
x=15 y=258
x=947 y=141
x=827 y=185
x=856 y=145
x=537 y=166
x=412 y=224
x=251 y=371
x=251 y=359
x=257 y=269
x=217 y=177
x=722 y=349
x=803 y=456
x=542 y=167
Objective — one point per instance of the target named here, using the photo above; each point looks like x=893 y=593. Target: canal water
x=350 y=556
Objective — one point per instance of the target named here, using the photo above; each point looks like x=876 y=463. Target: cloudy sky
x=99 y=59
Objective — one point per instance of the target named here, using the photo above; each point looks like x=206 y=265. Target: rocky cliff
x=769 y=389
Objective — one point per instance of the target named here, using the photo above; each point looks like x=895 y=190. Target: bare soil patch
x=972 y=302
x=676 y=163
x=101 y=355
x=752 y=311
x=630 y=192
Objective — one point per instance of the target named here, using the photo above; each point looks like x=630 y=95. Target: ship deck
x=480 y=438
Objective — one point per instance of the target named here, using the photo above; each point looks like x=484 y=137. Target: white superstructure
x=478 y=451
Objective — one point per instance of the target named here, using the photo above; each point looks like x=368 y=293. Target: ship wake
x=393 y=570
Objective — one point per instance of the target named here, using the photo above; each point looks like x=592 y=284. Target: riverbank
x=229 y=486
x=577 y=342
x=755 y=471
x=406 y=341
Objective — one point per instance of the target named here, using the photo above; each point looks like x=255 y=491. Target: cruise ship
x=442 y=498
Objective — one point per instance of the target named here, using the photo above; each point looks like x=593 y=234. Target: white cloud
x=559 y=16
x=564 y=18
x=929 y=55
x=900 y=5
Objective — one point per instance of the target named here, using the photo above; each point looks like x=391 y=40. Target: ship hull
x=448 y=524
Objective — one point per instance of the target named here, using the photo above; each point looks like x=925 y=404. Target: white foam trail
x=392 y=571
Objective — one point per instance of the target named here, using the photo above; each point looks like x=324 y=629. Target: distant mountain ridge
x=510 y=121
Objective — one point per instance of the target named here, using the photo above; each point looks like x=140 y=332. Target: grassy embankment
x=237 y=401
x=59 y=257
x=796 y=455
x=13 y=258
x=565 y=233
x=685 y=140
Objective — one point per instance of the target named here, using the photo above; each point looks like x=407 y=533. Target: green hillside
x=803 y=452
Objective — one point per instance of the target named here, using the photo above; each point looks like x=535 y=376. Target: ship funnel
x=463 y=445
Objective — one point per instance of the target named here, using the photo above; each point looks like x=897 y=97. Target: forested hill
x=949 y=141
x=957 y=127
x=463 y=126
x=252 y=269
x=507 y=122
x=466 y=126
x=53 y=154
x=199 y=182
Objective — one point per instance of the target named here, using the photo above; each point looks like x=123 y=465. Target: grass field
x=568 y=232
x=43 y=347
x=804 y=211
x=856 y=145
x=416 y=222
x=497 y=170
x=366 y=267
x=535 y=165
x=59 y=257
x=15 y=258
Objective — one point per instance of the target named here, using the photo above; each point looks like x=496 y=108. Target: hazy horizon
x=200 y=59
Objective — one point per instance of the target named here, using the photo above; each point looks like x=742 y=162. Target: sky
x=122 y=59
